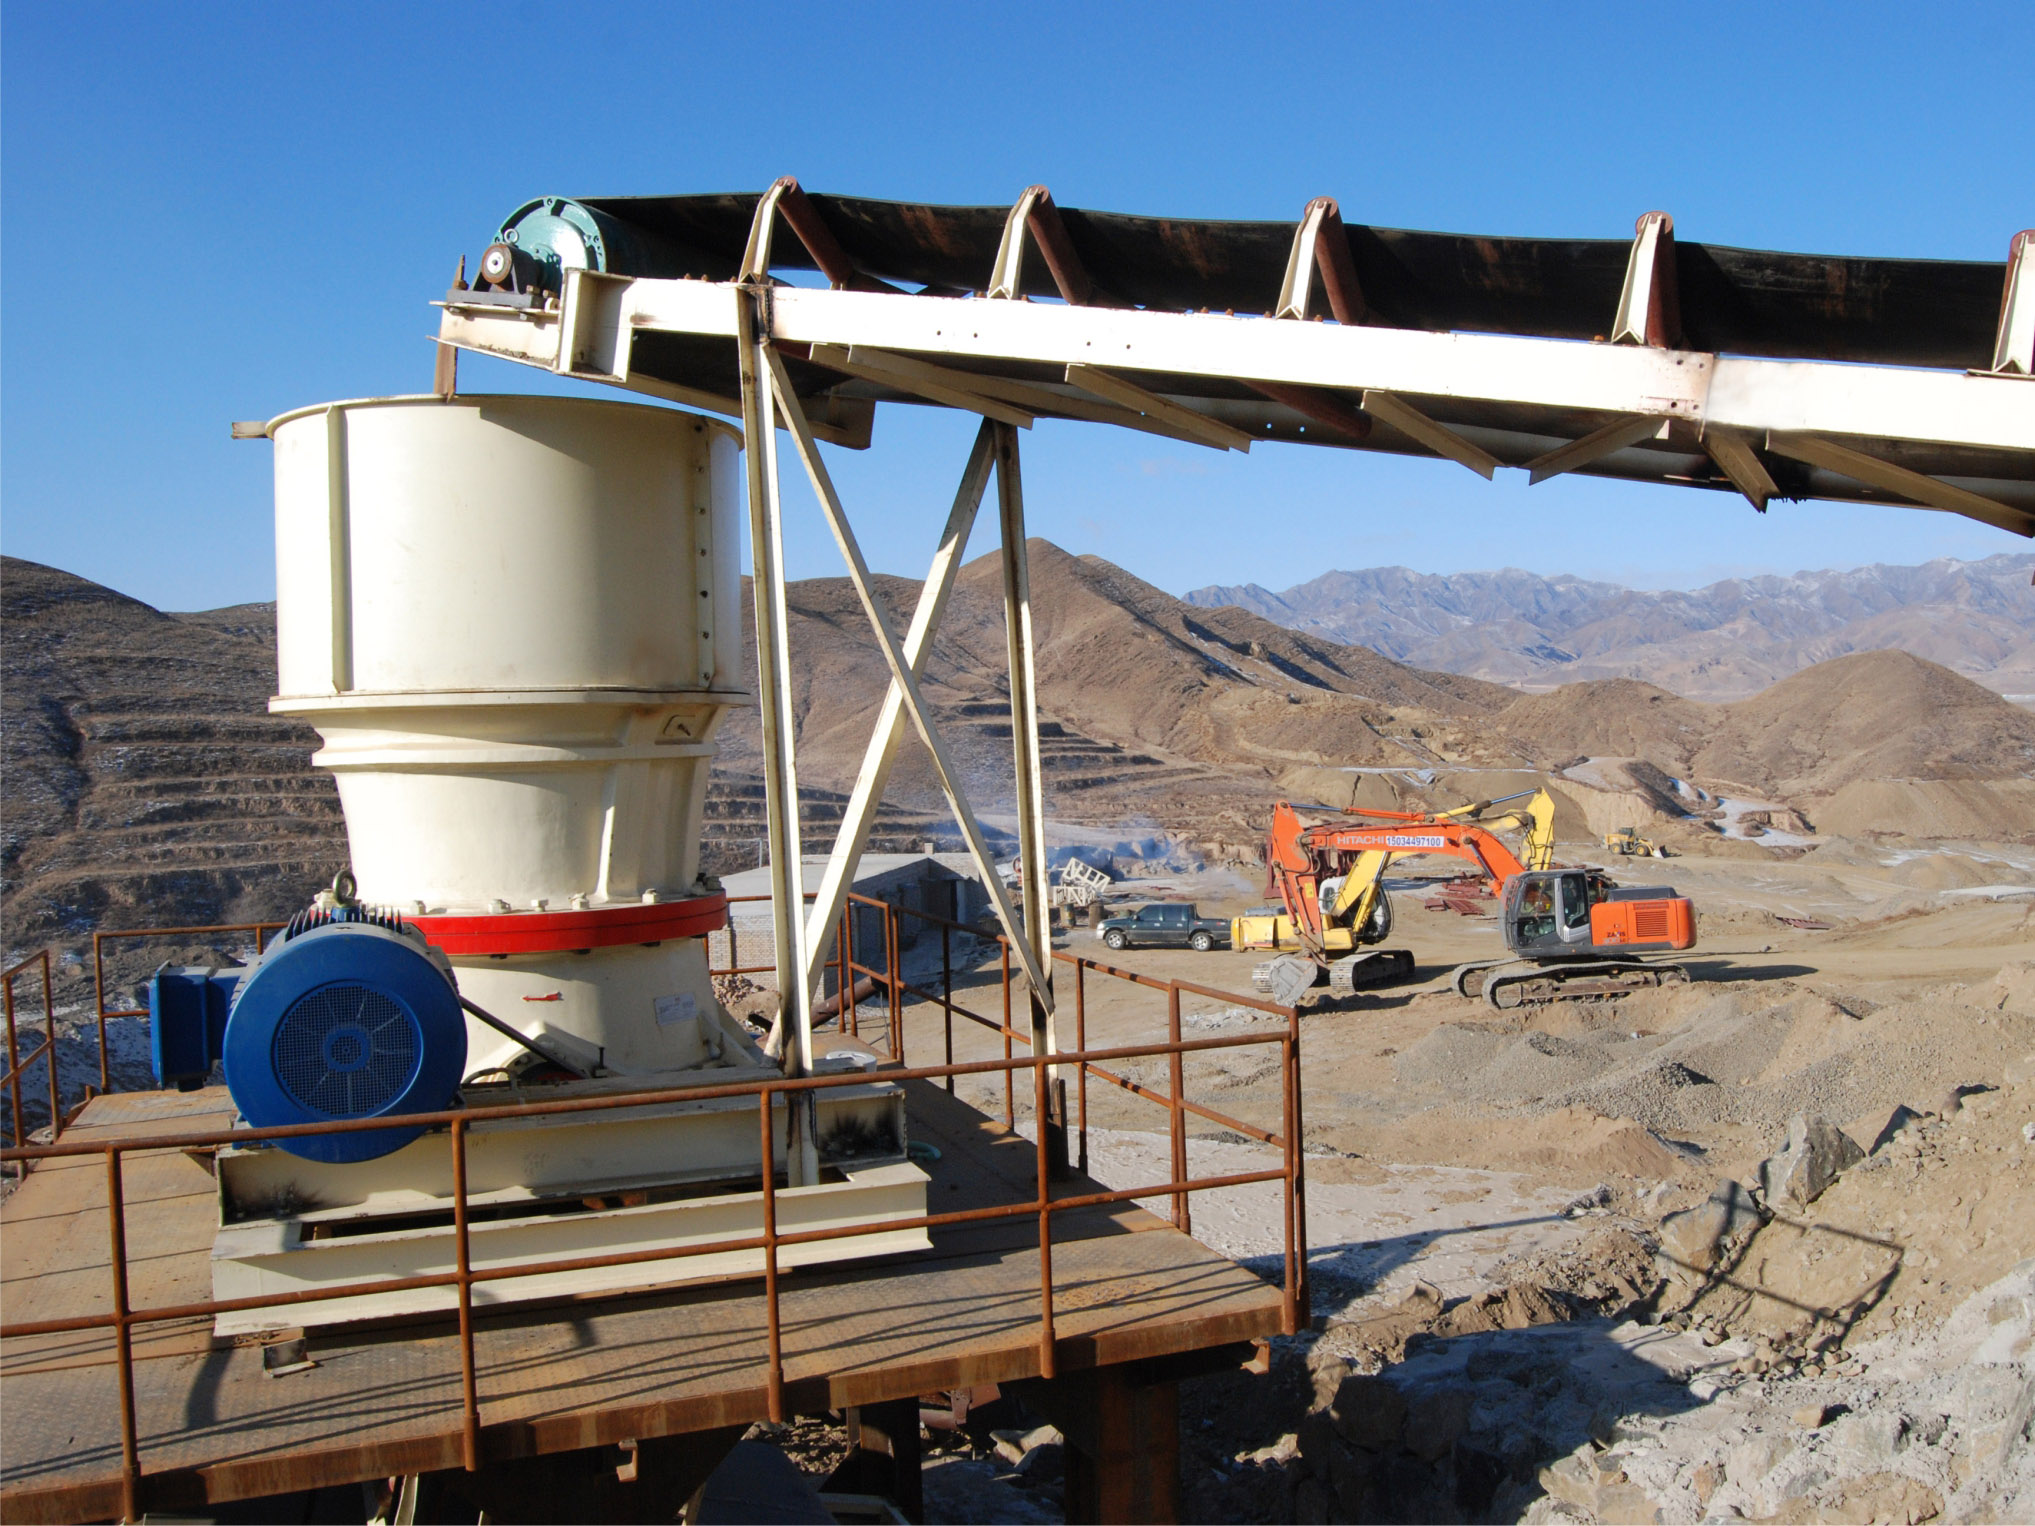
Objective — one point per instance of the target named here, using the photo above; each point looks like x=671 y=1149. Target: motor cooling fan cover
x=347 y=1020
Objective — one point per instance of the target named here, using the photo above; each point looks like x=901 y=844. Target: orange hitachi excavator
x=1570 y=932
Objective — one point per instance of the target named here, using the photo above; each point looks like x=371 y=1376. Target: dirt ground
x=1459 y=1157
x=1487 y=1195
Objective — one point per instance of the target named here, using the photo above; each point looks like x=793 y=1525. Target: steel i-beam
x=1030 y=775
x=794 y=1027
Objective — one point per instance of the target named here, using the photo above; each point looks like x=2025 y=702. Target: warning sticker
x=682 y=1008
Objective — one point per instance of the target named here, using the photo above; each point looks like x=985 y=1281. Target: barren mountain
x=146 y=783
x=1609 y=717
x=1725 y=641
x=1871 y=716
x=145 y=779
x=1875 y=715
x=1117 y=659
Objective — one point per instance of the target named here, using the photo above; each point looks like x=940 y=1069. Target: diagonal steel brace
x=860 y=815
x=877 y=608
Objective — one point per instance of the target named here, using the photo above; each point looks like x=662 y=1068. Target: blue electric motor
x=345 y=1015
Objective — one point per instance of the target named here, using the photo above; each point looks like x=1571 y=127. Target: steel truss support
x=1650 y=304
x=1424 y=384
x=987 y=395
x=1321 y=249
x=1035 y=214
x=793 y=1032
x=1926 y=491
x=902 y=676
x=784 y=199
x=1437 y=437
x=1595 y=446
x=1736 y=458
x=881 y=754
x=1128 y=394
x=2014 y=346
x=938 y=384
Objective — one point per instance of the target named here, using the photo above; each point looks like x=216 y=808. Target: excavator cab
x=1548 y=912
x=1577 y=913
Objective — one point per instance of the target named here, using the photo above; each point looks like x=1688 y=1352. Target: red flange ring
x=564 y=932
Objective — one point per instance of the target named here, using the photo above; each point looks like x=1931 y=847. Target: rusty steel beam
x=1322 y=406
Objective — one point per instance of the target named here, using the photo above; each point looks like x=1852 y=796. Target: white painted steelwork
x=1896 y=404
x=278 y=1257
x=514 y=622
x=1527 y=391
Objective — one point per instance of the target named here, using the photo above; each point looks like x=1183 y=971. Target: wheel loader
x=1627 y=843
x=1568 y=932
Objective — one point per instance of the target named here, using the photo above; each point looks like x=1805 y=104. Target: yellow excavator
x=1330 y=877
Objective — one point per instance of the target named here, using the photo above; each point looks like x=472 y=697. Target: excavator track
x=1376 y=967
x=1291 y=976
x=1507 y=984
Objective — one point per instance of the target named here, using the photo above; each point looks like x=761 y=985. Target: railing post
x=99 y=1002
x=897 y=1028
x=49 y=1043
x=1290 y=1302
x=774 y=1379
x=947 y=991
x=14 y=1066
x=1047 y=1362
x=844 y=967
x=123 y=1338
x=1183 y=1217
x=1081 y=1043
x=469 y=1380
x=1299 y=1131
x=896 y=960
x=1009 y=1101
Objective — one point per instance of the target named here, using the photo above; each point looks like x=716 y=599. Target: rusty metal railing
x=897 y=989
x=1174 y=1099
x=16 y=1065
x=261 y=931
x=848 y=970
x=122 y=1318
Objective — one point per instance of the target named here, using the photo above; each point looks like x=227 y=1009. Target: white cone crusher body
x=515 y=624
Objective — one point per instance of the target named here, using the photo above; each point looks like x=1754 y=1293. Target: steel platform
x=385 y=1401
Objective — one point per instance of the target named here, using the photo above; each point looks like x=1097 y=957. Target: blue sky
x=220 y=212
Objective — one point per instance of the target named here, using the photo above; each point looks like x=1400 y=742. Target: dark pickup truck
x=1165 y=925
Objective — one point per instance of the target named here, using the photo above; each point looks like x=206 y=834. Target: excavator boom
x=1329 y=876
x=1569 y=932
